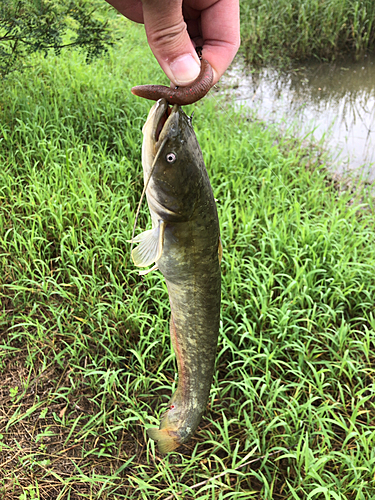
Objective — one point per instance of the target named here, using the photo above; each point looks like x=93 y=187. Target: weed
x=303 y=29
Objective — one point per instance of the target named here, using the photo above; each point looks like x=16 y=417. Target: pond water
x=335 y=101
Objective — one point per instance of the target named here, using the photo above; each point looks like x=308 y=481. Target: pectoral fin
x=150 y=246
x=146 y=271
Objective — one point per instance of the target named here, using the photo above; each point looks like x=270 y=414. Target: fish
x=180 y=95
x=184 y=244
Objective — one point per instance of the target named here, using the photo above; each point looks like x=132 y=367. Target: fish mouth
x=162 y=123
x=163 y=116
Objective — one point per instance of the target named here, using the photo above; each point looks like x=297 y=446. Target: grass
x=85 y=357
x=303 y=29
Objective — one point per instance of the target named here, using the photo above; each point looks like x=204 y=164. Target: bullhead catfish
x=184 y=243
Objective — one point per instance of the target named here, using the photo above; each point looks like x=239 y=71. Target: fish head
x=172 y=162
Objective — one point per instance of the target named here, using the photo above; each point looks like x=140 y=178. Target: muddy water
x=335 y=101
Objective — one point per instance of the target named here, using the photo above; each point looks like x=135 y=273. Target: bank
x=303 y=29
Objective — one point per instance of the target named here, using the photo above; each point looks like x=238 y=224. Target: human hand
x=175 y=27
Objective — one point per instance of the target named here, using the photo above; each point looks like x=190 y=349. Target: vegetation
x=85 y=357
x=301 y=29
x=28 y=26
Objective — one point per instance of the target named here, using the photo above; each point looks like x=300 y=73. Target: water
x=335 y=101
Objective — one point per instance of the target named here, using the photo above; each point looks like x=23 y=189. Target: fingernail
x=185 y=69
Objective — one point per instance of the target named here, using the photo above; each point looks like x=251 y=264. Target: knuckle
x=170 y=35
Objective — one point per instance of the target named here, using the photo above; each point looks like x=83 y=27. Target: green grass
x=85 y=357
x=302 y=29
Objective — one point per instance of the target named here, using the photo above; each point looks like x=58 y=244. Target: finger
x=169 y=40
x=220 y=30
x=132 y=9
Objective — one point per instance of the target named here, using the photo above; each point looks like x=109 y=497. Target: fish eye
x=171 y=157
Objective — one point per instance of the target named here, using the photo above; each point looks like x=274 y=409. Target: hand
x=175 y=27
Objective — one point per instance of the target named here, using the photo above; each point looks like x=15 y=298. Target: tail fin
x=166 y=441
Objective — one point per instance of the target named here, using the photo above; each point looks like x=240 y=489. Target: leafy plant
x=28 y=26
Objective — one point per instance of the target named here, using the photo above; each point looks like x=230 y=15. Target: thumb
x=169 y=40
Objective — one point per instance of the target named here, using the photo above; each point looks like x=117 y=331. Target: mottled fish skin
x=179 y=194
